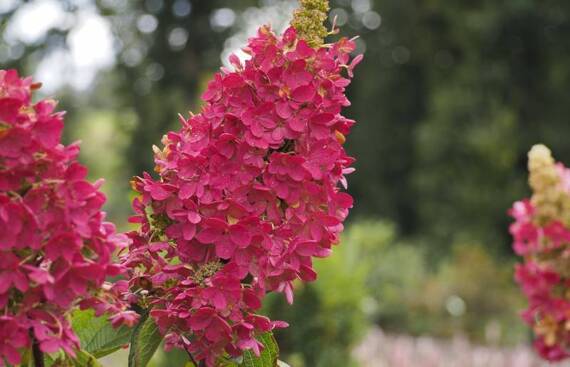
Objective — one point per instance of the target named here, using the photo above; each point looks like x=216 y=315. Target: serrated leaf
x=268 y=357
x=98 y=337
x=84 y=359
x=145 y=339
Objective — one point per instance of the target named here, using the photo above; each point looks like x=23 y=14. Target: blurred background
x=449 y=98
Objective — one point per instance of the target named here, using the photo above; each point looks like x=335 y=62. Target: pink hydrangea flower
x=247 y=194
x=55 y=247
x=541 y=236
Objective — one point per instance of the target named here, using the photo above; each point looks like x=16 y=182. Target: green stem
x=308 y=21
x=191 y=357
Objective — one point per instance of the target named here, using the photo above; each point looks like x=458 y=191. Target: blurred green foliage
x=372 y=277
x=449 y=99
x=468 y=292
x=327 y=316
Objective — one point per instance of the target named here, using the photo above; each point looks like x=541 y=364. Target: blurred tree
x=449 y=99
x=373 y=276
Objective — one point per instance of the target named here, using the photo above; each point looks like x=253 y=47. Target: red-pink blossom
x=541 y=236
x=248 y=193
x=55 y=246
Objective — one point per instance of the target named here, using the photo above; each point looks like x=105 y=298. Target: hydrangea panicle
x=55 y=246
x=249 y=191
x=541 y=234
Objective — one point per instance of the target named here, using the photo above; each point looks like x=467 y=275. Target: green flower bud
x=308 y=21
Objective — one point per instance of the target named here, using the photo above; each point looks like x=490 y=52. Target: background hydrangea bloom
x=541 y=235
x=55 y=247
x=248 y=193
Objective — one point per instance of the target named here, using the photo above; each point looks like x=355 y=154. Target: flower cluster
x=55 y=247
x=541 y=235
x=248 y=193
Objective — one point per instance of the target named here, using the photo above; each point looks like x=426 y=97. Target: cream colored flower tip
x=543 y=173
x=539 y=156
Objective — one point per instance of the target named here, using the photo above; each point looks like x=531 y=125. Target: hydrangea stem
x=308 y=21
x=38 y=355
x=191 y=357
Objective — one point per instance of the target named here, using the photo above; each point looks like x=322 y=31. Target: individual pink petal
x=50 y=346
x=40 y=276
x=240 y=235
x=296 y=124
x=322 y=118
x=304 y=93
x=209 y=235
x=159 y=192
x=48 y=131
x=304 y=50
x=187 y=190
x=283 y=110
x=11 y=355
x=233 y=80
x=188 y=231
x=225 y=249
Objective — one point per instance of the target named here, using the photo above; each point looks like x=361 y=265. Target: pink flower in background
x=247 y=194
x=55 y=246
x=541 y=234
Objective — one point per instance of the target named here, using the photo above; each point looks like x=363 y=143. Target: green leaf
x=145 y=339
x=49 y=360
x=26 y=358
x=98 y=337
x=84 y=359
x=268 y=357
x=226 y=362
